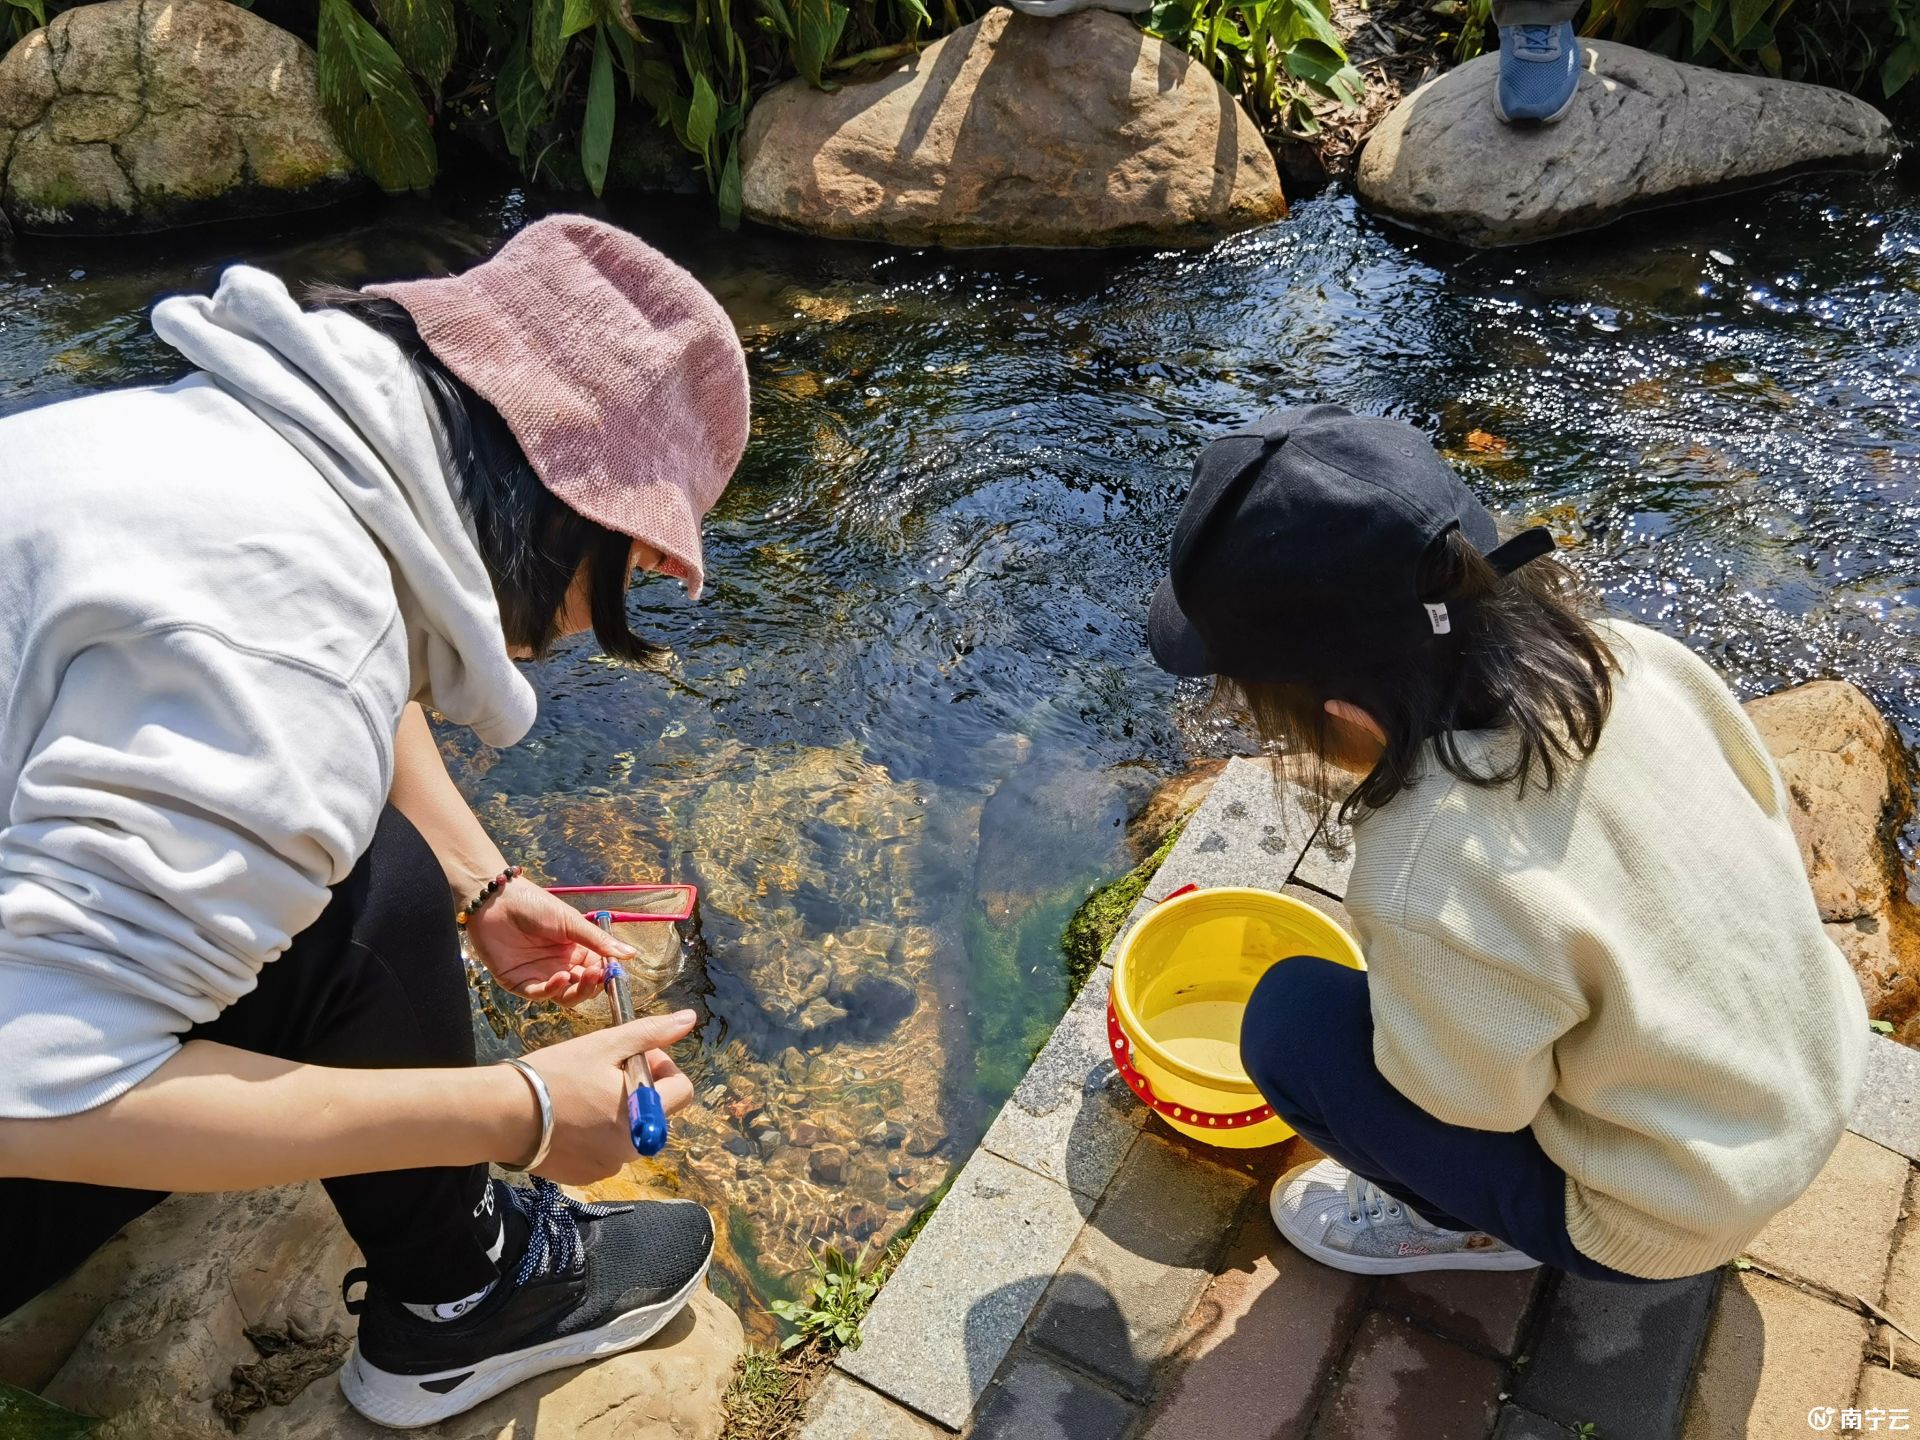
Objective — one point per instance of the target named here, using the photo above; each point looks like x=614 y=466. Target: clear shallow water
x=900 y=730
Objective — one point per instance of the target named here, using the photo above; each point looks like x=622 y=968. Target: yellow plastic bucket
x=1180 y=987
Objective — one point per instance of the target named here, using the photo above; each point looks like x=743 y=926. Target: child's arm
x=1466 y=1040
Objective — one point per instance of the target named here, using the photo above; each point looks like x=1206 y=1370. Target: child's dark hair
x=1522 y=657
x=532 y=542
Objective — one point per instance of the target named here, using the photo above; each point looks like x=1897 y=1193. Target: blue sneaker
x=1539 y=72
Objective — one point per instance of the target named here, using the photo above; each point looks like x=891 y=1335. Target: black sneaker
x=592 y=1280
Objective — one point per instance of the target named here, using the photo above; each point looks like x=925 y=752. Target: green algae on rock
x=1098 y=920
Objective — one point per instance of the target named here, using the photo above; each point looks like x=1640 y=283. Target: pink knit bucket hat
x=620 y=376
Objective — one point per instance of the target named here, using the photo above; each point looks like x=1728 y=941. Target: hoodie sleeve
x=179 y=819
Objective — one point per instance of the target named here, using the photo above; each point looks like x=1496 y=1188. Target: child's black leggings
x=376 y=981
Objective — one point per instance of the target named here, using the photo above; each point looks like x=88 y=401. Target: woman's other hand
x=541 y=948
x=587 y=1079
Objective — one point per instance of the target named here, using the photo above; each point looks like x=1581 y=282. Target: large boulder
x=150 y=1331
x=1846 y=781
x=135 y=115
x=1015 y=131
x=1643 y=131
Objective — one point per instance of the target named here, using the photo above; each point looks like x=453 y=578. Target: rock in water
x=148 y=1332
x=1644 y=131
x=1015 y=131
x=1171 y=803
x=1048 y=827
x=1846 y=785
x=134 y=115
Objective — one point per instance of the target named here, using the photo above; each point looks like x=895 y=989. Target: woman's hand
x=587 y=1080
x=541 y=948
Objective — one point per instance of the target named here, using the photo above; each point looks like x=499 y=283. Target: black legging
x=376 y=981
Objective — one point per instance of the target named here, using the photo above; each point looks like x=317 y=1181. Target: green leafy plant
x=1880 y=1027
x=1870 y=47
x=370 y=101
x=18 y=18
x=1276 y=55
x=1474 y=19
x=564 y=79
x=835 y=1302
x=25 y=1416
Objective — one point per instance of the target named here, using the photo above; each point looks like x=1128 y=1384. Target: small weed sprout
x=835 y=1303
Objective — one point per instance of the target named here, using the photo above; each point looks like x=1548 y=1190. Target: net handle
x=637 y=917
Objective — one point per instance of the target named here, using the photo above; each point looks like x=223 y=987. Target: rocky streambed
x=845 y=975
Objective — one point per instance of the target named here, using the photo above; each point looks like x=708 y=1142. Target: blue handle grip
x=646 y=1116
x=648 y=1119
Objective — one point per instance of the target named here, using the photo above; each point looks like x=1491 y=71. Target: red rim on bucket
x=1136 y=1082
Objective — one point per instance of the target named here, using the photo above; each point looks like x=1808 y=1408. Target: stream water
x=900 y=736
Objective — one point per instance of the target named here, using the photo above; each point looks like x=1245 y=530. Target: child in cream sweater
x=1601 y=1026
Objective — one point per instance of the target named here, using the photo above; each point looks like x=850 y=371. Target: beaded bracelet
x=487 y=891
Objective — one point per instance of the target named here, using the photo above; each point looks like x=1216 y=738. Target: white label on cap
x=1438 y=618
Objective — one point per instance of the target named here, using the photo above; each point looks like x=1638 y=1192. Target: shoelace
x=1534 y=39
x=553 y=1229
x=1364 y=1197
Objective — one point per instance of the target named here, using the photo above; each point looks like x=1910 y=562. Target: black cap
x=1299 y=548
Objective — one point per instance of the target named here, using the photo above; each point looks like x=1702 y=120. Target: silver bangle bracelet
x=545 y=1102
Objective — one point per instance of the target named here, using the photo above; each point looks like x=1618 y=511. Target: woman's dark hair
x=532 y=542
x=1523 y=658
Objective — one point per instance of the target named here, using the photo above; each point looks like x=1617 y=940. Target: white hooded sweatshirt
x=216 y=597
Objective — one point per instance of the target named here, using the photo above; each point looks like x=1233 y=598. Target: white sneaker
x=1341 y=1220
x=1051 y=9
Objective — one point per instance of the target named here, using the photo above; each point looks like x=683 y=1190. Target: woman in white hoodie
x=232 y=861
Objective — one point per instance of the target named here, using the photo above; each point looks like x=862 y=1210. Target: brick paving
x=1093 y=1276
x=1482 y=1309
x=1270 y=1312
x=1398 y=1379
x=1837 y=1235
x=1773 y=1354
x=1617 y=1357
x=1140 y=1265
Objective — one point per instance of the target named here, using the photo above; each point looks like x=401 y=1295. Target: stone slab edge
x=1245 y=782
x=845 y=1409
x=951 y=1312
x=1888 y=1110
x=1071 y=1118
x=1250 y=830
